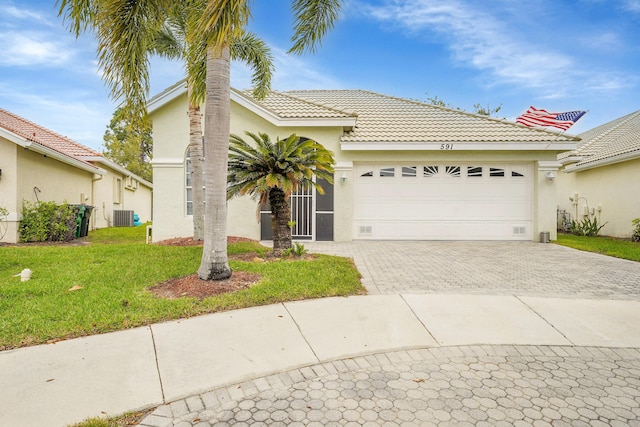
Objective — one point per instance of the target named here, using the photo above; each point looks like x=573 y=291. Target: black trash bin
x=84 y=226
x=79 y=211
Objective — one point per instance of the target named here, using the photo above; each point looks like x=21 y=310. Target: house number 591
x=446 y=146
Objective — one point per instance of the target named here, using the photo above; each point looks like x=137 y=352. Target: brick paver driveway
x=502 y=268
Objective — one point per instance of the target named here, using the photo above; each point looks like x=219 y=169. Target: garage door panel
x=445 y=206
x=447 y=230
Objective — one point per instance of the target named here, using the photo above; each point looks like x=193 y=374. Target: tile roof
x=285 y=105
x=45 y=137
x=606 y=142
x=386 y=119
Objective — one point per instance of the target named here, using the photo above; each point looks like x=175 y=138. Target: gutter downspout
x=93 y=202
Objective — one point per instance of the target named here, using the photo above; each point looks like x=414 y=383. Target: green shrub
x=635 y=236
x=47 y=222
x=587 y=227
x=297 y=249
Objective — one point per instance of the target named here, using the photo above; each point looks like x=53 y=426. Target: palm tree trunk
x=197 y=165
x=280 y=217
x=215 y=263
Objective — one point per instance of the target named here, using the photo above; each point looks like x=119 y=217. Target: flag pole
x=562 y=131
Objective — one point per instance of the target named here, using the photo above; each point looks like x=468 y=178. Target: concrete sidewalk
x=62 y=383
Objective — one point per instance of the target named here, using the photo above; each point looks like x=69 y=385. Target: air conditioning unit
x=122 y=218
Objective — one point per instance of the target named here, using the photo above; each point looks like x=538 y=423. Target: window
x=369 y=173
x=188 y=185
x=496 y=172
x=452 y=171
x=117 y=190
x=387 y=172
x=428 y=171
x=517 y=174
x=474 y=171
x=409 y=171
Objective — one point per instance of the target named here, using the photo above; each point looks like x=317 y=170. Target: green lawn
x=116 y=270
x=604 y=245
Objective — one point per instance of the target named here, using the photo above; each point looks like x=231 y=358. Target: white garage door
x=449 y=201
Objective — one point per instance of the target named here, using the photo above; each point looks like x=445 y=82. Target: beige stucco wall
x=171 y=138
x=8 y=186
x=137 y=200
x=612 y=192
x=170 y=130
x=57 y=181
x=24 y=170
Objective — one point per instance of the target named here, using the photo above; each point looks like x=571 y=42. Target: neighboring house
x=38 y=164
x=602 y=176
x=404 y=169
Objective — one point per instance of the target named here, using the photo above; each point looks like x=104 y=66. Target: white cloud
x=491 y=43
x=11 y=11
x=605 y=41
x=32 y=48
x=631 y=5
x=77 y=115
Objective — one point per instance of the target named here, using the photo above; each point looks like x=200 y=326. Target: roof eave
x=124 y=171
x=34 y=146
x=347 y=123
x=166 y=96
x=41 y=149
x=180 y=88
x=604 y=162
x=457 y=146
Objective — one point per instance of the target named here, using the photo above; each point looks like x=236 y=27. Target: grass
x=618 y=248
x=115 y=272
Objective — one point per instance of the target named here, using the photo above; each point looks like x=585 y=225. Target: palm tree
x=122 y=28
x=272 y=171
x=170 y=42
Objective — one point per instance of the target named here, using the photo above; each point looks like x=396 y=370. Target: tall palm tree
x=121 y=27
x=170 y=42
x=272 y=171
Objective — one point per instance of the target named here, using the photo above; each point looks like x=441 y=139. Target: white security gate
x=443 y=201
x=301 y=203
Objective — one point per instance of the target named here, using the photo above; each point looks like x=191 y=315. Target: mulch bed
x=188 y=241
x=193 y=286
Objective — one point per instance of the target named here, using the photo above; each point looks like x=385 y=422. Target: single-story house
x=404 y=169
x=39 y=164
x=601 y=178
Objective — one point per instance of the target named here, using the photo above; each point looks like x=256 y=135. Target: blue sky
x=558 y=55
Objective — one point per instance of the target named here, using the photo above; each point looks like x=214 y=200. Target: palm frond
x=255 y=52
x=313 y=18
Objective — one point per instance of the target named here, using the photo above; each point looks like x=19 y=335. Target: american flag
x=535 y=117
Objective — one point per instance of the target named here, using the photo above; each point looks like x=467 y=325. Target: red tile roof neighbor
x=45 y=137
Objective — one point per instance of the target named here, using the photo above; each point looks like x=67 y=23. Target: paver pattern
x=461 y=386
x=498 y=385
x=488 y=268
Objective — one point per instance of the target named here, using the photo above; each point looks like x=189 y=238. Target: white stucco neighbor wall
x=611 y=191
x=137 y=199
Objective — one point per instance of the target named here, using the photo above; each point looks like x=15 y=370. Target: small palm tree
x=272 y=171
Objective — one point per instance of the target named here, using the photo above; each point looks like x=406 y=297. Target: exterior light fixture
x=551 y=176
x=343 y=178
